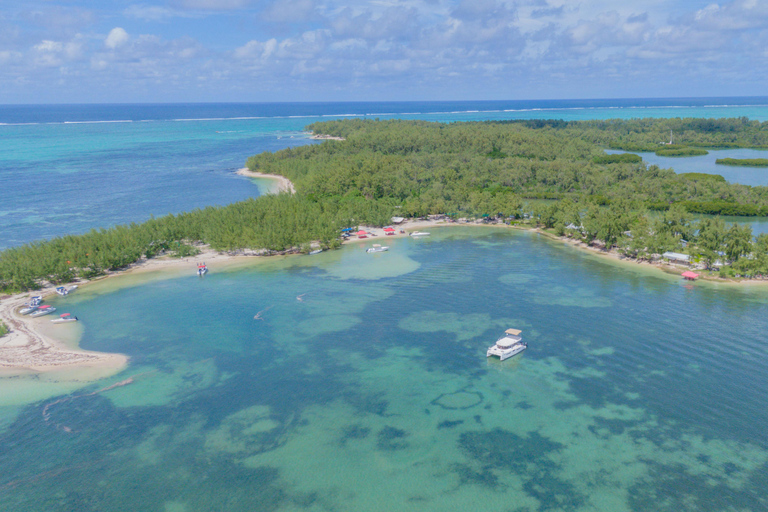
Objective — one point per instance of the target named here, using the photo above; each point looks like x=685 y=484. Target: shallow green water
x=365 y=386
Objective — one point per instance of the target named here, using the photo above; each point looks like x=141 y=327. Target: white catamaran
x=508 y=345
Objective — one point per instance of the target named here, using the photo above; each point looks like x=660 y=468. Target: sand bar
x=283 y=183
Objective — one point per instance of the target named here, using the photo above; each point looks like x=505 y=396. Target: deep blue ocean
x=70 y=168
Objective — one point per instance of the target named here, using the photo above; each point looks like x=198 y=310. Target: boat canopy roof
x=65 y=315
x=44 y=307
x=689 y=274
x=513 y=332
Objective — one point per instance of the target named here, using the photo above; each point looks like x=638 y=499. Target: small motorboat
x=61 y=290
x=42 y=310
x=65 y=318
x=377 y=248
x=316 y=251
x=202 y=269
x=32 y=305
x=419 y=233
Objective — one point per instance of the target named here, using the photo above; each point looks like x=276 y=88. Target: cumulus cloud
x=116 y=38
x=48 y=53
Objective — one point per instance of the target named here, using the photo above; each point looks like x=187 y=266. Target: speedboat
x=32 y=305
x=42 y=310
x=316 y=251
x=419 y=233
x=65 y=318
x=377 y=248
x=508 y=345
x=64 y=291
x=202 y=269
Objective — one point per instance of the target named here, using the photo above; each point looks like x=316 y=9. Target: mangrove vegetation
x=744 y=162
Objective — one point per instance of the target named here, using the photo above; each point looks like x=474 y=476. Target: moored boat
x=316 y=251
x=63 y=291
x=202 y=269
x=65 y=318
x=508 y=345
x=42 y=310
x=419 y=233
x=32 y=305
x=377 y=248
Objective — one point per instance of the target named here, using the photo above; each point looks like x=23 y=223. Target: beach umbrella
x=346 y=229
x=389 y=229
x=361 y=232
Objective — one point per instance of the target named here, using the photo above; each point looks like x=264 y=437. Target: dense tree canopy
x=415 y=168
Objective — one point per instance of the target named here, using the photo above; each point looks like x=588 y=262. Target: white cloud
x=117 y=37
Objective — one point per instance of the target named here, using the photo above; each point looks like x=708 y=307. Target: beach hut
x=690 y=276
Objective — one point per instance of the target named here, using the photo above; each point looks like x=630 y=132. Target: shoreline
x=29 y=347
x=325 y=137
x=283 y=183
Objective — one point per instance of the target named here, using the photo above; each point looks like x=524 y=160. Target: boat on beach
x=65 y=318
x=202 y=269
x=419 y=233
x=509 y=345
x=42 y=310
x=377 y=248
x=63 y=291
x=32 y=305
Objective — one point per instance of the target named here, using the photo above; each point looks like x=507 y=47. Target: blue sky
x=54 y=51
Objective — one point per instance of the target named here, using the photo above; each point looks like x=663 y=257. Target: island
x=743 y=162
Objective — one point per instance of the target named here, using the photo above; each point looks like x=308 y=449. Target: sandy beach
x=283 y=183
x=326 y=137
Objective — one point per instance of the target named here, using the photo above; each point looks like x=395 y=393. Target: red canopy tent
x=691 y=276
x=389 y=230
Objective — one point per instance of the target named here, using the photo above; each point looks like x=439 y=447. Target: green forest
x=555 y=173
x=745 y=162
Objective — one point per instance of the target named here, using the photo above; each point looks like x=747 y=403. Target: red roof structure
x=691 y=276
x=389 y=229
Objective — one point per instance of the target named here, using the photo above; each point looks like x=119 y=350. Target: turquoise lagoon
x=366 y=387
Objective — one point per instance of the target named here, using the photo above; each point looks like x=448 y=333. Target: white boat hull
x=503 y=354
x=63 y=320
x=41 y=312
x=28 y=310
